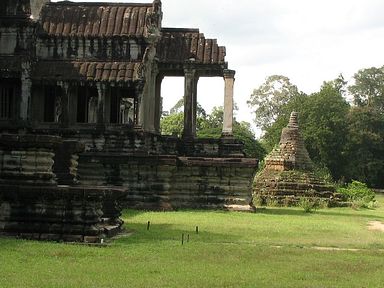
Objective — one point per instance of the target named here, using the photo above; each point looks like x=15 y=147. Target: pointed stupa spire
x=291 y=153
x=293 y=120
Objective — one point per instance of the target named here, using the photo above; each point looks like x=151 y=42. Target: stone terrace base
x=61 y=213
x=170 y=182
x=288 y=187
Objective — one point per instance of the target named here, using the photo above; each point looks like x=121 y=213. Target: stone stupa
x=288 y=174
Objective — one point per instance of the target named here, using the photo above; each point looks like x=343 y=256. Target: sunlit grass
x=275 y=247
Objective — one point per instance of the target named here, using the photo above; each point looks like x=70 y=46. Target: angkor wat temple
x=80 y=108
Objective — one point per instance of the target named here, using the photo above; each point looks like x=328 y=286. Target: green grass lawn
x=275 y=247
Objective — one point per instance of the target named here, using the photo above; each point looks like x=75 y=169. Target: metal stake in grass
x=197 y=229
x=187 y=238
x=182 y=239
x=149 y=223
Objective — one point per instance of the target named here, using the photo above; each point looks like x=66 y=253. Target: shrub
x=308 y=204
x=257 y=200
x=359 y=194
x=272 y=202
x=324 y=174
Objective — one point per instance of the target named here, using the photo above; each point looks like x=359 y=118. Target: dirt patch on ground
x=376 y=226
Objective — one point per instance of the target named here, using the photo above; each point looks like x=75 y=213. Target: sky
x=309 y=41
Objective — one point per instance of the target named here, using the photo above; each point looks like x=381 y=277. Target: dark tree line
x=344 y=138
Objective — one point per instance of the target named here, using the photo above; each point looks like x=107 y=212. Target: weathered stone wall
x=59 y=213
x=33 y=206
x=27 y=159
x=288 y=187
x=167 y=181
x=170 y=182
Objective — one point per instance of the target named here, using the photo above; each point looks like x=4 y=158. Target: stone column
x=190 y=85
x=194 y=105
x=158 y=102
x=101 y=91
x=140 y=110
x=150 y=101
x=65 y=90
x=229 y=78
x=26 y=89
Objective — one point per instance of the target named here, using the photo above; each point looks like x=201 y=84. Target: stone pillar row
x=190 y=103
x=149 y=101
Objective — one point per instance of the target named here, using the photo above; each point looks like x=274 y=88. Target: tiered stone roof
x=178 y=45
x=88 y=71
x=68 y=19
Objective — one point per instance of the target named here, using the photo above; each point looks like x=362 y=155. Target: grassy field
x=275 y=247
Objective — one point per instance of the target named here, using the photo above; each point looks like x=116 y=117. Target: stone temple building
x=80 y=107
x=289 y=174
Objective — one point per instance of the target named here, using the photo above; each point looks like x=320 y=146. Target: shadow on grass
x=158 y=233
x=281 y=211
x=127 y=213
x=327 y=212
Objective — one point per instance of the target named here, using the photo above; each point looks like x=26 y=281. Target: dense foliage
x=345 y=139
x=358 y=193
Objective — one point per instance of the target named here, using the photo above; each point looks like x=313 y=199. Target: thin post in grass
x=187 y=238
x=148 y=224
x=182 y=239
x=197 y=229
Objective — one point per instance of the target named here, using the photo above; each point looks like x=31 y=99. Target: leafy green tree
x=212 y=121
x=252 y=148
x=269 y=100
x=272 y=134
x=324 y=122
x=368 y=89
x=179 y=106
x=210 y=126
x=365 y=149
x=172 y=124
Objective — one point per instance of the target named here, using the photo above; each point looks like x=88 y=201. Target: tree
x=172 y=124
x=269 y=100
x=272 y=134
x=210 y=126
x=179 y=106
x=368 y=89
x=324 y=122
x=365 y=149
x=252 y=148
